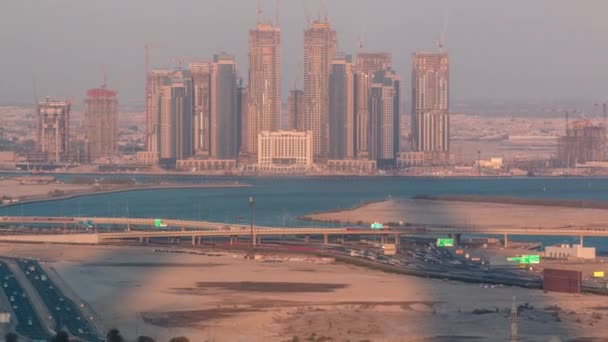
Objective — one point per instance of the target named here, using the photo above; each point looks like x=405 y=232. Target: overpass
x=197 y=230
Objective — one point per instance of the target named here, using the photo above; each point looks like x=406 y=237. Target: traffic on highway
x=28 y=322
x=66 y=313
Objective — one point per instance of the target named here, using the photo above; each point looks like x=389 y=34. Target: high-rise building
x=201 y=82
x=295 y=110
x=264 y=93
x=384 y=117
x=54 y=130
x=430 y=106
x=244 y=123
x=175 y=121
x=224 y=109
x=320 y=44
x=367 y=65
x=156 y=79
x=342 y=108
x=241 y=105
x=101 y=121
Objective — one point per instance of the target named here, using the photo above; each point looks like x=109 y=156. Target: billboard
x=526 y=259
x=445 y=242
x=159 y=223
x=598 y=274
x=376 y=225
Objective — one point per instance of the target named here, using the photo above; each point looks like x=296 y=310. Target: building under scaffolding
x=582 y=143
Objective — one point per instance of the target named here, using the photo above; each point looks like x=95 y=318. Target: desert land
x=223 y=297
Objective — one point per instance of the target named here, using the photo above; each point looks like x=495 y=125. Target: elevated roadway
x=200 y=229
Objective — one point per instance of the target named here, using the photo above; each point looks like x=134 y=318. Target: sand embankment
x=455 y=213
x=30 y=193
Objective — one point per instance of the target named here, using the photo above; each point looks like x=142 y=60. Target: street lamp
x=251 y=203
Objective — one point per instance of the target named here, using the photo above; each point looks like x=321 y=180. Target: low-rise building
x=198 y=165
x=492 y=163
x=285 y=151
x=565 y=251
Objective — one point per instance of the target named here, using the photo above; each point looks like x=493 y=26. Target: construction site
x=584 y=142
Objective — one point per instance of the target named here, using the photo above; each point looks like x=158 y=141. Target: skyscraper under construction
x=264 y=92
x=320 y=44
x=101 y=121
x=54 y=130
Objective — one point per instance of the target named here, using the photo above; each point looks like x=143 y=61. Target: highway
x=65 y=312
x=28 y=322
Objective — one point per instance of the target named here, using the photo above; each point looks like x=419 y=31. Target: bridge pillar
x=128 y=227
x=326 y=238
x=199 y=240
x=65 y=227
x=183 y=229
x=581 y=238
x=506 y=240
x=397 y=239
x=255 y=240
x=383 y=239
x=259 y=240
x=141 y=240
x=193 y=240
x=307 y=238
x=231 y=240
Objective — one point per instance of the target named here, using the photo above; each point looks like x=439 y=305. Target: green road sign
x=445 y=242
x=526 y=259
x=376 y=225
x=159 y=223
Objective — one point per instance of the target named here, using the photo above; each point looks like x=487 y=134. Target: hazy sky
x=515 y=50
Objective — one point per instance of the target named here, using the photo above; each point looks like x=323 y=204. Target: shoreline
x=310 y=175
x=77 y=194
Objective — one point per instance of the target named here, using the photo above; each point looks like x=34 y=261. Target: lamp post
x=251 y=203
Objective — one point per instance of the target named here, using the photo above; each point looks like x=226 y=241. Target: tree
x=145 y=339
x=61 y=336
x=114 y=336
x=11 y=337
x=180 y=339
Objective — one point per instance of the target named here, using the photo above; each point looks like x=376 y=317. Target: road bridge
x=197 y=230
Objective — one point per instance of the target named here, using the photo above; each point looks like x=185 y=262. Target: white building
x=492 y=163
x=285 y=151
x=567 y=251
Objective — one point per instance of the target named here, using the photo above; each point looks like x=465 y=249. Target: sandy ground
x=226 y=298
x=451 y=213
x=15 y=190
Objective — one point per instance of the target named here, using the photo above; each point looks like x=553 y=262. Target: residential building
x=54 y=130
x=430 y=105
x=320 y=44
x=201 y=83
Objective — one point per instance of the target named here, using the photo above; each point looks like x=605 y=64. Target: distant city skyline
x=517 y=50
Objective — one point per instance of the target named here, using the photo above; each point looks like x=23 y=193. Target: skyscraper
x=320 y=44
x=367 y=65
x=201 y=82
x=175 y=121
x=430 y=106
x=264 y=93
x=54 y=130
x=295 y=110
x=156 y=80
x=384 y=117
x=224 y=109
x=101 y=121
x=342 y=108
